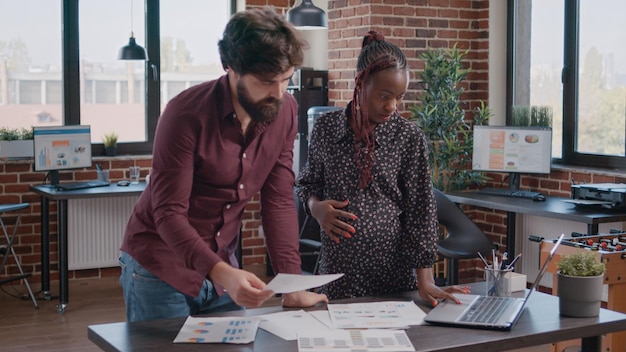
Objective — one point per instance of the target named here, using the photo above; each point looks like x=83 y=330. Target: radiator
x=95 y=230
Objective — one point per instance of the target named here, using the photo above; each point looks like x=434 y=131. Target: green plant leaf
x=442 y=117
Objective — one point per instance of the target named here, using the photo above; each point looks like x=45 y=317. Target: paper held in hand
x=287 y=283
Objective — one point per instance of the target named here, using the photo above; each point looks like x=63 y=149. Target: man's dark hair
x=260 y=41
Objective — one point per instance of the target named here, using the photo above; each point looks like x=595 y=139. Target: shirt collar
x=382 y=133
x=226 y=109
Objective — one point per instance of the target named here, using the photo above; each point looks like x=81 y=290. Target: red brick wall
x=414 y=26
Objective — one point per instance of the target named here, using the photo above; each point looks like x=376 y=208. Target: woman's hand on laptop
x=429 y=292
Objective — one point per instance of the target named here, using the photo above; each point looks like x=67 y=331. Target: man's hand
x=245 y=288
x=303 y=299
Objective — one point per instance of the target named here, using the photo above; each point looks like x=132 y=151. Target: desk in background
x=540 y=324
x=555 y=208
x=49 y=193
x=552 y=207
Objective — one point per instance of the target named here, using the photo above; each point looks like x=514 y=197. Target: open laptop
x=479 y=311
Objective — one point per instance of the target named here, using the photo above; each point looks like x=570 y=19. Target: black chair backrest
x=464 y=238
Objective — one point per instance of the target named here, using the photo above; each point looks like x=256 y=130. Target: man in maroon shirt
x=217 y=145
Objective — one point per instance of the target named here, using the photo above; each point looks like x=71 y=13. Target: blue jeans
x=147 y=297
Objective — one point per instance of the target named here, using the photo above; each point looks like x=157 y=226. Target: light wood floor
x=91 y=301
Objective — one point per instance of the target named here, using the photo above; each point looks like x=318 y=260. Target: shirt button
x=241 y=186
x=244 y=155
x=227 y=206
x=218 y=234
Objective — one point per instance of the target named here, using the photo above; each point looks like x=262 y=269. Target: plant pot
x=110 y=151
x=580 y=296
x=16 y=149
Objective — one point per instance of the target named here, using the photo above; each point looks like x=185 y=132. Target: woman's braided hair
x=376 y=55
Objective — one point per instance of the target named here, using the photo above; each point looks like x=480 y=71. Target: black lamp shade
x=132 y=51
x=307 y=15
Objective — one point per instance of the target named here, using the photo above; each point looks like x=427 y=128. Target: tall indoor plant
x=442 y=118
x=579 y=284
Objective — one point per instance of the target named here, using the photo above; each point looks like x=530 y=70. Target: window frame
x=71 y=77
x=569 y=80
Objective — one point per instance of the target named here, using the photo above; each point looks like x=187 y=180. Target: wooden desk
x=552 y=207
x=49 y=193
x=540 y=324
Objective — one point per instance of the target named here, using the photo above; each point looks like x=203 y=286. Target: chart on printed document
x=221 y=330
x=379 y=340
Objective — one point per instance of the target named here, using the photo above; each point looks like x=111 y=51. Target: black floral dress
x=396 y=226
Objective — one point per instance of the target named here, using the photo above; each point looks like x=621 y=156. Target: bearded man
x=216 y=146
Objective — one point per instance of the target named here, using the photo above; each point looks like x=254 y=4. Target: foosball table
x=611 y=250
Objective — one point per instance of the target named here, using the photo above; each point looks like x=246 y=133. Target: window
x=601 y=79
x=112 y=91
x=189 y=53
x=30 y=68
x=94 y=87
x=565 y=56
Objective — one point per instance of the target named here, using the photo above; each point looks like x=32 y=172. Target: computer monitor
x=61 y=148
x=512 y=149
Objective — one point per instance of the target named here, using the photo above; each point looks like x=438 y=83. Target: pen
x=483 y=259
x=495 y=259
x=505 y=260
x=98 y=167
x=514 y=261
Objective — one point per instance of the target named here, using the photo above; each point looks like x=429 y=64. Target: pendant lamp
x=307 y=15
x=132 y=51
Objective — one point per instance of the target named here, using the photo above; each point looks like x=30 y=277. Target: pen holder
x=103 y=175
x=497 y=285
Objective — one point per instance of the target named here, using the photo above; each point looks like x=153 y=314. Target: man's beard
x=265 y=110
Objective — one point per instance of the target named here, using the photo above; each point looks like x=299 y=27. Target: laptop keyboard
x=487 y=309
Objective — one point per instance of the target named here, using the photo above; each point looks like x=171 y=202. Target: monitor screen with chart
x=512 y=149
x=61 y=148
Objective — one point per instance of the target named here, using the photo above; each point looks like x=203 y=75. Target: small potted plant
x=579 y=283
x=110 y=143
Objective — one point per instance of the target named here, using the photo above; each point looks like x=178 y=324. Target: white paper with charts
x=287 y=324
x=218 y=330
x=379 y=340
x=373 y=315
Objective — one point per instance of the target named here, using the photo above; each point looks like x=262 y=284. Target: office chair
x=310 y=245
x=9 y=250
x=464 y=238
